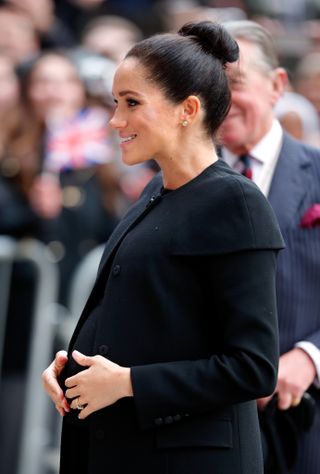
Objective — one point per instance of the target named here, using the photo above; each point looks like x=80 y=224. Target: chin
x=232 y=129
x=230 y=141
x=132 y=160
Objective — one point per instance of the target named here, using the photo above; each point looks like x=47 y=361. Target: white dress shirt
x=264 y=157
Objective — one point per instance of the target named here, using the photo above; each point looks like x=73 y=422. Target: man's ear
x=279 y=84
x=190 y=109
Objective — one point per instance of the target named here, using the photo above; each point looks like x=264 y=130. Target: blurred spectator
x=9 y=98
x=298 y=117
x=110 y=36
x=16 y=220
x=50 y=30
x=307 y=78
x=18 y=38
x=97 y=72
x=181 y=12
x=65 y=161
x=287 y=10
x=16 y=217
x=241 y=4
x=148 y=15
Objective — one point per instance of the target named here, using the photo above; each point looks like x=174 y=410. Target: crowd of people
x=67 y=125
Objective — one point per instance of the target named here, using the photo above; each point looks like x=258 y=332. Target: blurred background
x=63 y=186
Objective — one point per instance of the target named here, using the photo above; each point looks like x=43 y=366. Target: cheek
x=157 y=127
x=36 y=95
x=77 y=94
x=250 y=109
x=242 y=102
x=153 y=117
x=240 y=120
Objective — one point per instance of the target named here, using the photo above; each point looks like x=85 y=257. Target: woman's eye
x=132 y=102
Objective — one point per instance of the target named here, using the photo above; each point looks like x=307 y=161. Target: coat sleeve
x=244 y=367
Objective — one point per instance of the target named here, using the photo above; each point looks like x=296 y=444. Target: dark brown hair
x=192 y=62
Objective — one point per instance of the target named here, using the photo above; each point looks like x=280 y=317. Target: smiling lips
x=127 y=139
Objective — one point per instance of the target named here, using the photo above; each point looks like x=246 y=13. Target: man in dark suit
x=288 y=173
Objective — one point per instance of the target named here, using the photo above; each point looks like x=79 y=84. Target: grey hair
x=255 y=34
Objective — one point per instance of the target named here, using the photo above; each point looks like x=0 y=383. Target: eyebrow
x=128 y=92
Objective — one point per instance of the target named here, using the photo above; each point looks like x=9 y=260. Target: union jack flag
x=79 y=142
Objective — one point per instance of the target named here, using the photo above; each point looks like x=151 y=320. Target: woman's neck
x=183 y=167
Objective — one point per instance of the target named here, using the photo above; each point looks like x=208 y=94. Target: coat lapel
x=136 y=212
x=289 y=188
x=128 y=220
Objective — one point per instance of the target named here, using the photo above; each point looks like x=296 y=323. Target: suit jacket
x=294 y=188
x=185 y=296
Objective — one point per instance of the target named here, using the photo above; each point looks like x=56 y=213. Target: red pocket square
x=311 y=217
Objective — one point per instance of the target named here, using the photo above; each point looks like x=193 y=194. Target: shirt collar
x=265 y=150
x=270 y=144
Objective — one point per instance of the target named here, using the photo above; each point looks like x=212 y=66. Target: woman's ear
x=190 y=109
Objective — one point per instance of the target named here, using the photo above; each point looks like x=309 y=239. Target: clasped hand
x=296 y=373
x=101 y=384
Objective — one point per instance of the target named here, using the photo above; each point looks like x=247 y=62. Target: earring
x=184 y=123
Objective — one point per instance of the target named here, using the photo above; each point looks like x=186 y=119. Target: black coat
x=185 y=296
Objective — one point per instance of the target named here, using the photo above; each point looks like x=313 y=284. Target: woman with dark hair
x=63 y=158
x=179 y=335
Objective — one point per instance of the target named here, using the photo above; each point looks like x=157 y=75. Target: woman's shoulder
x=244 y=215
x=221 y=183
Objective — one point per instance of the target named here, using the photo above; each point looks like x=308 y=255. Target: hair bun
x=214 y=39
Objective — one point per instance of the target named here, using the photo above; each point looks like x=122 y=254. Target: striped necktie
x=246 y=170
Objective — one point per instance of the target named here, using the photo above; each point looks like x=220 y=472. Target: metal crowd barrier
x=32 y=450
x=7 y=254
x=38 y=450
x=80 y=287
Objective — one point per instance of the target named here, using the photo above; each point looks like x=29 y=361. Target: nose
x=117 y=121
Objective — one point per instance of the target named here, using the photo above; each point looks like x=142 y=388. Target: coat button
x=158 y=421
x=103 y=349
x=116 y=270
x=99 y=435
x=168 y=420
